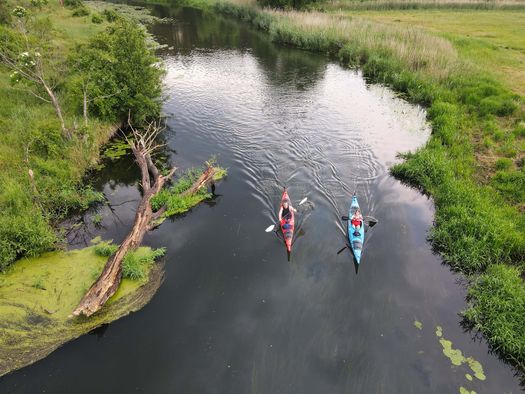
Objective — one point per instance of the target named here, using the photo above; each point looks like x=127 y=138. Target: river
x=233 y=314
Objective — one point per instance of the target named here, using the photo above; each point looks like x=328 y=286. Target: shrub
x=97 y=19
x=111 y=15
x=284 y=4
x=5 y=12
x=38 y=3
x=73 y=3
x=80 y=11
x=120 y=66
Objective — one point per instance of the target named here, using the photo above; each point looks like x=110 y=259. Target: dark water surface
x=233 y=315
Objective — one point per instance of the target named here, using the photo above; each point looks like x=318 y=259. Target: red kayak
x=287 y=223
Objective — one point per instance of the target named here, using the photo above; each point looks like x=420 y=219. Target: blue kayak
x=356 y=235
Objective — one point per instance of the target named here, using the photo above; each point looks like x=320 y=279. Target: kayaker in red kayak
x=284 y=212
x=357 y=220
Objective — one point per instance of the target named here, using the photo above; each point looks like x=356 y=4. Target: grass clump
x=105 y=248
x=497 y=308
x=137 y=263
x=173 y=199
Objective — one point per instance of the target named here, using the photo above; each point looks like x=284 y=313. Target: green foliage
x=19 y=12
x=5 y=12
x=510 y=184
x=136 y=263
x=80 y=11
x=120 y=69
x=285 y=4
x=73 y=3
x=110 y=15
x=39 y=284
x=497 y=308
x=175 y=202
x=97 y=18
x=23 y=228
x=105 y=248
x=172 y=198
x=97 y=219
x=38 y=3
x=503 y=163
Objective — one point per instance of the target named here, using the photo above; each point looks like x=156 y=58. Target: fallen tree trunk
x=152 y=182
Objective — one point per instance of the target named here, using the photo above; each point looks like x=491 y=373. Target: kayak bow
x=356 y=236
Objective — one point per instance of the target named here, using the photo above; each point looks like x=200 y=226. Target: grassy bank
x=38 y=294
x=473 y=164
x=82 y=55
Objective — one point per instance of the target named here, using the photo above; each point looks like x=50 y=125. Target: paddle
x=272 y=227
x=371 y=221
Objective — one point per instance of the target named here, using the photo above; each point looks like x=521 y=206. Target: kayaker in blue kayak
x=357 y=220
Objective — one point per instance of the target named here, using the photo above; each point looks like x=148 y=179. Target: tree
x=117 y=73
x=29 y=62
x=94 y=80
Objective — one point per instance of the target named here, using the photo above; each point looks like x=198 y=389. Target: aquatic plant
x=136 y=263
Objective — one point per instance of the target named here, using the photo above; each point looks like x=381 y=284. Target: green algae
x=457 y=358
x=418 y=324
x=439 y=331
x=455 y=355
x=35 y=320
x=463 y=390
x=469 y=377
x=477 y=368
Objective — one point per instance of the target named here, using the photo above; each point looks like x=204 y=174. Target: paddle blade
x=303 y=201
x=270 y=228
x=345 y=218
x=371 y=221
x=341 y=250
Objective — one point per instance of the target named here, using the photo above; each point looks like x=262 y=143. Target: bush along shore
x=69 y=76
x=479 y=224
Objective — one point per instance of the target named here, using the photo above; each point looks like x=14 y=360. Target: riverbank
x=472 y=166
